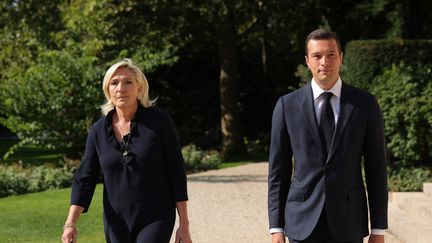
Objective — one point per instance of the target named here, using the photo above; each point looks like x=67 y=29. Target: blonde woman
x=135 y=147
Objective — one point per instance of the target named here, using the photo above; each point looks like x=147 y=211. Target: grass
x=232 y=164
x=241 y=160
x=28 y=154
x=39 y=217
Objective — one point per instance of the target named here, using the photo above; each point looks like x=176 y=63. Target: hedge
x=399 y=73
x=404 y=93
x=366 y=59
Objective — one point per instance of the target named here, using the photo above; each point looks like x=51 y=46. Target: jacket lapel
x=345 y=111
x=307 y=107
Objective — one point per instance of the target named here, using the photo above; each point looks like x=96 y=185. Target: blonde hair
x=139 y=77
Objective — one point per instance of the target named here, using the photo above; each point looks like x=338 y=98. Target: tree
x=49 y=83
x=61 y=64
x=225 y=38
x=53 y=103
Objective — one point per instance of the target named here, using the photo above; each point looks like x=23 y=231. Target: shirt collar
x=336 y=89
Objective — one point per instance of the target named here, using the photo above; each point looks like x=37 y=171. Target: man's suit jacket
x=302 y=180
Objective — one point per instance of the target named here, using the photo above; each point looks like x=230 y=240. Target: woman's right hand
x=70 y=234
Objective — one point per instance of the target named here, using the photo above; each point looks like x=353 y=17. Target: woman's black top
x=140 y=186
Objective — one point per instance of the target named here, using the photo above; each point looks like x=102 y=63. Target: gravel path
x=229 y=205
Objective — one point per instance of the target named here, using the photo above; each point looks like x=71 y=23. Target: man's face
x=324 y=60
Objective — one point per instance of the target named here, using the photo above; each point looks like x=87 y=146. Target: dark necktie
x=327 y=121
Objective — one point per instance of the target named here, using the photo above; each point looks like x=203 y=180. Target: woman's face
x=123 y=88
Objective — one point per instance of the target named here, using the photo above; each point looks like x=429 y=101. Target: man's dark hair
x=322 y=34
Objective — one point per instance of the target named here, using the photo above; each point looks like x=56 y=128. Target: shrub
x=404 y=95
x=304 y=74
x=409 y=179
x=15 y=180
x=12 y=181
x=366 y=59
x=44 y=178
x=399 y=73
x=52 y=103
x=199 y=160
x=258 y=146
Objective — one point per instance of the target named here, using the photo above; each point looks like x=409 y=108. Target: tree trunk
x=231 y=128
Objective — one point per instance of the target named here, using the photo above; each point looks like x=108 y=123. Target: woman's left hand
x=183 y=235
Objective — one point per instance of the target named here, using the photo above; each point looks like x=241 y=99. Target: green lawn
x=232 y=164
x=242 y=160
x=39 y=217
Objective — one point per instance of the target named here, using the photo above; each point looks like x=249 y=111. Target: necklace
x=122 y=133
x=126 y=144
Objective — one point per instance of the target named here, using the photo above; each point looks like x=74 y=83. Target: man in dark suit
x=320 y=134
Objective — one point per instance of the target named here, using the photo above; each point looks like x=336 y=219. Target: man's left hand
x=376 y=239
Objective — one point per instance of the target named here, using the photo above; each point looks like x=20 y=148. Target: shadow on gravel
x=228 y=179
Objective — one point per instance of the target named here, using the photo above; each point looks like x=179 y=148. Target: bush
x=304 y=74
x=15 y=180
x=408 y=179
x=199 y=160
x=399 y=73
x=404 y=93
x=258 y=146
x=44 y=178
x=366 y=59
x=52 y=103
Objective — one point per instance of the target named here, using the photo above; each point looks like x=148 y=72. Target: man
x=320 y=133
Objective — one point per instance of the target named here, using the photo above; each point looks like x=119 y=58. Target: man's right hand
x=278 y=238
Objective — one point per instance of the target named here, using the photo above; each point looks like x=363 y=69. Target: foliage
x=404 y=94
x=29 y=154
x=304 y=74
x=12 y=182
x=258 y=146
x=26 y=28
x=199 y=160
x=399 y=74
x=52 y=103
x=174 y=42
x=44 y=178
x=86 y=26
x=16 y=180
x=409 y=178
x=366 y=59
x=58 y=53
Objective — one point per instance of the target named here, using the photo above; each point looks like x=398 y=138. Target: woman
x=136 y=150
